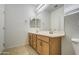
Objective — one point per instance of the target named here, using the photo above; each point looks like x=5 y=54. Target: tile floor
x=23 y=50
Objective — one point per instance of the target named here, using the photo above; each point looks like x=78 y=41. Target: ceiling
x=50 y=7
x=53 y=7
x=36 y=5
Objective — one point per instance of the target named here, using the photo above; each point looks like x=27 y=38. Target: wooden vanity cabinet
x=45 y=45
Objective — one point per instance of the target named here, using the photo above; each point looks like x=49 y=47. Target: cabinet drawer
x=43 y=38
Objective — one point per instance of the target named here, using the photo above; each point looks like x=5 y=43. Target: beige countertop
x=45 y=33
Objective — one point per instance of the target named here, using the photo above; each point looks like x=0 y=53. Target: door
x=42 y=47
x=45 y=48
x=39 y=44
x=55 y=46
x=30 y=39
x=1 y=27
x=34 y=41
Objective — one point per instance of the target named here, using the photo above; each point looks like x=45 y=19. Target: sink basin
x=50 y=32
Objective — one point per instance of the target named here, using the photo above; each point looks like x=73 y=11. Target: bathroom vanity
x=45 y=43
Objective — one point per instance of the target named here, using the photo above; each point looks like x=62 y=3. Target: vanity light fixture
x=41 y=7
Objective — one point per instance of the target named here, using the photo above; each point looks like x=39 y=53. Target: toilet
x=75 y=43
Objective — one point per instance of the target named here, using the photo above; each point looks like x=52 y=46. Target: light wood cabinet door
x=55 y=46
x=45 y=48
x=42 y=45
x=34 y=41
x=30 y=39
x=39 y=46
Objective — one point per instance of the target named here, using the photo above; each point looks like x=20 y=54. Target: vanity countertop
x=55 y=34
